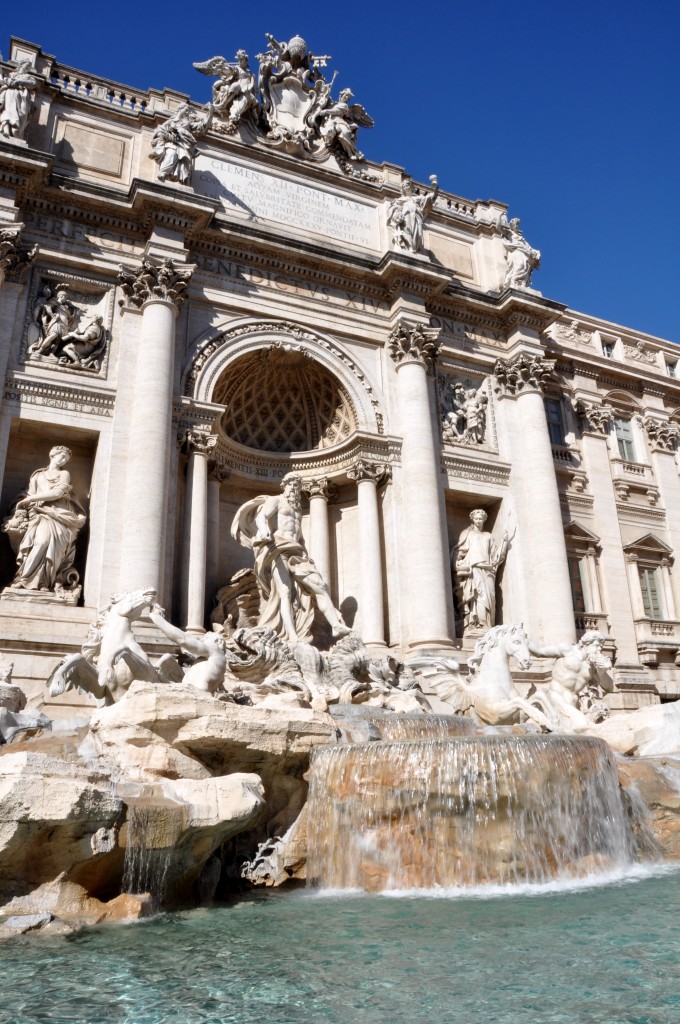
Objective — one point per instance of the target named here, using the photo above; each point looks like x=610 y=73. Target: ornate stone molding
x=363 y=470
x=596 y=416
x=161 y=282
x=14 y=258
x=413 y=343
x=471 y=467
x=307 y=342
x=217 y=471
x=20 y=388
x=197 y=440
x=319 y=487
x=522 y=374
x=663 y=436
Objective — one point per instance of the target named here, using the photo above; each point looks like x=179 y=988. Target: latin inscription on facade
x=263 y=197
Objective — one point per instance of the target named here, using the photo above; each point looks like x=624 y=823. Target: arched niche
x=249 y=348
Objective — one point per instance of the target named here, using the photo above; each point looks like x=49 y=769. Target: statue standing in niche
x=43 y=529
x=174 y=142
x=290 y=583
x=17 y=93
x=476 y=560
x=406 y=216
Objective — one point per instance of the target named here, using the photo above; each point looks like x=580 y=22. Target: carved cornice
x=663 y=436
x=470 y=467
x=379 y=472
x=14 y=257
x=413 y=343
x=154 y=282
x=596 y=416
x=522 y=374
x=21 y=388
x=198 y=441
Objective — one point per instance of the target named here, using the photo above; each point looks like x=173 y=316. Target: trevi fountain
x=340 y=652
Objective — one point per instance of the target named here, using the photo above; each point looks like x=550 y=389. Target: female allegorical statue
x=43 y=529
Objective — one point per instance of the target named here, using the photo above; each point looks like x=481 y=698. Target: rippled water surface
x=609 y=955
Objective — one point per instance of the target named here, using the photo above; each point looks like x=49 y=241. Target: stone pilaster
x=319 y=491
x=540 y=530
x=617 y=598
x=371 y=608
x=157 y=290
x=664 y=441
x=14 y=259
x=197 y=444
x=424 y=554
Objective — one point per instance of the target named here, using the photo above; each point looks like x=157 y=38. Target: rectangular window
x=553 y=414
x=671 y=369
x=608 y=349
x=578 y=590
x=649 y=585
x=624 y=436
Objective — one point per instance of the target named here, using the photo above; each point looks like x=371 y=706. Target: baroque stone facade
x=233 y=293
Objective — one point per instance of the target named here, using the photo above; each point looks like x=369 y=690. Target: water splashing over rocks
x=464 y=811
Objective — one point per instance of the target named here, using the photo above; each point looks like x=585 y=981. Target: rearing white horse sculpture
x=491 y=692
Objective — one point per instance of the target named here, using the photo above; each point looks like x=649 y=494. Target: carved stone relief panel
x=68 y=323
x=463 y=410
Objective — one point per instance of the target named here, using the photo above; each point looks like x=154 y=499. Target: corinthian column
x=198 y=444
x=158 y=291
x=424 y=554
x=371 y=607
x=14 y=258
x=539 y=531
x=319 y=491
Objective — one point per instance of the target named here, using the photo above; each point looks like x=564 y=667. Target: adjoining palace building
x=197 y=300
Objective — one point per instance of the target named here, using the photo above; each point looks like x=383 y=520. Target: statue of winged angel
x=340 y=121
x=235 y=91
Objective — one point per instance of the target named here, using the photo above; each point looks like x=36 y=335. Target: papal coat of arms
x=289 y=105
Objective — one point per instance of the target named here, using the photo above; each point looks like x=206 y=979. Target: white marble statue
x=85 y=346
x=111 y=657
x=53 y=318
x=209 y=650
x=174 y=142
x=17 y=95
x=290 y=583
x=577 y=667
x=43 y=529
x=340 y=122
x=520 y=257
x=235 y=91
x=476 y=559
x=406 y=216
x=463 y=412
x=491 y=694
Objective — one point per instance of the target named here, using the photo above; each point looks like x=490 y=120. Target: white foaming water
x=462 y=814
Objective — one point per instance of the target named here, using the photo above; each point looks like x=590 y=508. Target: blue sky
x=569 y=112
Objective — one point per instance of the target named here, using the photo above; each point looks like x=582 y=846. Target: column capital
x=523 y=374
x=159 y=282
x=596 y=416
x=14 y=257
x=319 y=487
x=413 y=343
x=217 y=471
x=663 y=436
x=379 y=472
x=197 y=440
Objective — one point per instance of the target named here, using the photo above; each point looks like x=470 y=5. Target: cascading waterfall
x=464 y=811
x=424 y=727
x=152 y=831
